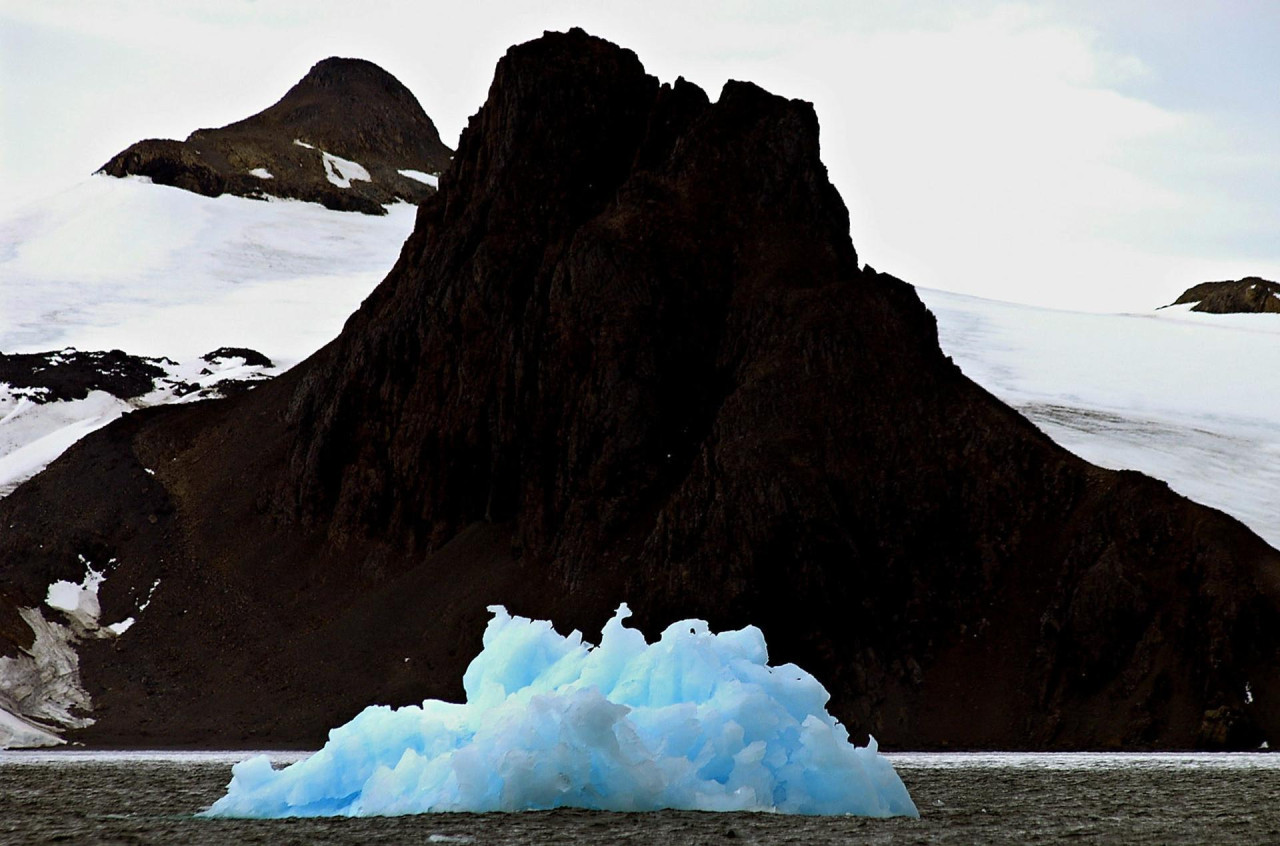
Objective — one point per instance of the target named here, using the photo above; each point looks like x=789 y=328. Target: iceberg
x=695 y=721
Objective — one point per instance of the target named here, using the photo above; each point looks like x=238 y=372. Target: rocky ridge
x=628 y=353
x=1252 y=294
x=349 y=136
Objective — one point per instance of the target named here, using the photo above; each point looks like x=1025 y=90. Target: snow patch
x=18 y=733
x=78 y=601
x=261 y=173
x=342 y=172
x=40 y=689
x=117 y=629
x=41 y=693
x=426 y=178
x=696 y=721
x=33 y=434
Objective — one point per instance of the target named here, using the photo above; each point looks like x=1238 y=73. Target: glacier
x=696 y=720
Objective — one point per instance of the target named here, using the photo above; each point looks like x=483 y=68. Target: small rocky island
x=349 y=136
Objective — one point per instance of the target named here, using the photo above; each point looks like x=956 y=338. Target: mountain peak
x=628 y=354
x=348 y=135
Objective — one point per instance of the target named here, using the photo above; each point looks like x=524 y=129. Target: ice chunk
x=695 y=721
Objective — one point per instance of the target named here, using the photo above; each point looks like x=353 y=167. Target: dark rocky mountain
x=349 y=108
x=628 y=354
x=1249 y=295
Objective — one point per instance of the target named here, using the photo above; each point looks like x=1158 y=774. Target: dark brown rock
x=71 y=374
x=346 y=107
x=628 y=354
x=1249 y=295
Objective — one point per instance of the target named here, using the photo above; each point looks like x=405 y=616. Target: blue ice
x=695 y=721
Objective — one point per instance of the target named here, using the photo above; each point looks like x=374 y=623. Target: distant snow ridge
x=695 y=721
x=1162 y=393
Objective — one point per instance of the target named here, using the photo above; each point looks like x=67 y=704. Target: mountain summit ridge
x=343 y=112
x=628 y=353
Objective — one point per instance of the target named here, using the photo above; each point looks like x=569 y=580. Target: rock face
x=1248 y=295
x=628 y=353
x=340 y=137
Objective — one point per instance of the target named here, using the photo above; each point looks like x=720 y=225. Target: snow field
x=154 y=270
x=1189 y=398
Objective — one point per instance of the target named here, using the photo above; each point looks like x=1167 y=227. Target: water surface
x=141 y=797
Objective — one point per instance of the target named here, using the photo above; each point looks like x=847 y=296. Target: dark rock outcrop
x=70 y=374
x=348 y=108
x=628 y=354
x=1249 y=295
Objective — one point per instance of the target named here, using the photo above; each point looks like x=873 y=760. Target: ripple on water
x=1142 y=799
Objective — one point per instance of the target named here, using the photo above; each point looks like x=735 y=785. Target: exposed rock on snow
x=1251 y=294
x=50 y=400
x=340 y=137
x=628 y=354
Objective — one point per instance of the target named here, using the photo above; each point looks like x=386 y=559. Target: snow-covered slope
x=158 y=271
x=1193 y=399
x=153 y=270
x=1189 y=398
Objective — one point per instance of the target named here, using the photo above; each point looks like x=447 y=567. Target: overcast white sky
x=1078 y=153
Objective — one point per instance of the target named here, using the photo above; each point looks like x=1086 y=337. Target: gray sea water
x=142 y=798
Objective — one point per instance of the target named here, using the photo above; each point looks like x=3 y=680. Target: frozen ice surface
x=695 y=721
x=1192 y=399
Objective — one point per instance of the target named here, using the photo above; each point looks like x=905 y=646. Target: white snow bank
x=40 y=688
x=696 y=720
x=79 y=601
x=342 y=172
x=158 y=271
x=41 y=693
x=427 y=178
x=34 y=434
x=1189 y=398
x=261 y=173
x=15 y=732
x=154 y=270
